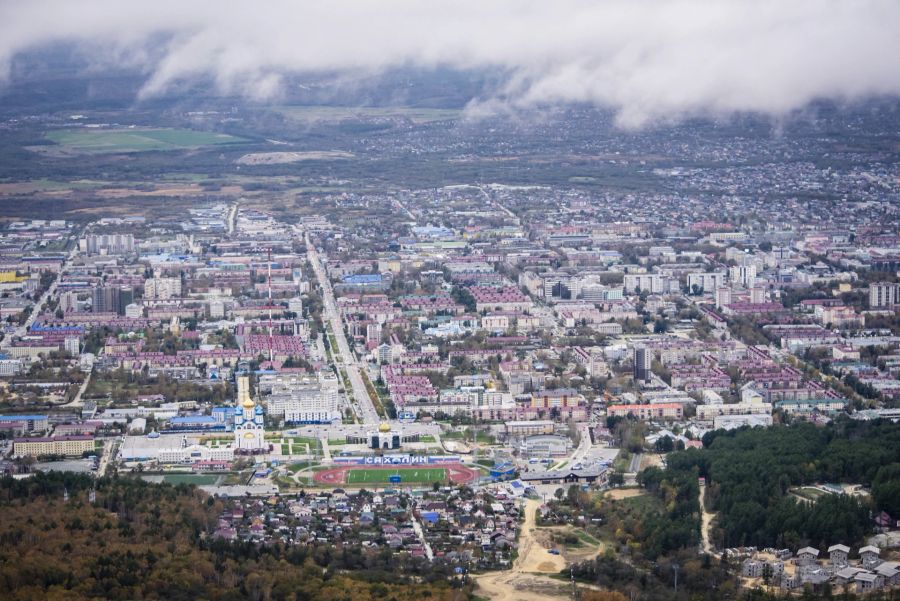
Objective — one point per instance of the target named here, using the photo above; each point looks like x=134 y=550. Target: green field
x=198 y=479
x=809 y=493
x=425 y=474
x=99 y=141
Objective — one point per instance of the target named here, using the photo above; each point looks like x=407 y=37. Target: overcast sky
x=645 y=59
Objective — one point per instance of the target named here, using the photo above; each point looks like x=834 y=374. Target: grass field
x=808 y=492
x=425 y=474
x=198 y=479
x=99 y=141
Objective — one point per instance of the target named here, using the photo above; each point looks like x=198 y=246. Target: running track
x=458 y=473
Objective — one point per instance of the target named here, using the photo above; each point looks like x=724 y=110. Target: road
x=232 y=218
x=417 y=528
x=38 y=307
x=77 y=401
x=635 y=465
x=579 y=454
x=520 y=583
x=403 y=208
x=365 y=406
x=36 y=310
x=705 y=524
x=110 y=447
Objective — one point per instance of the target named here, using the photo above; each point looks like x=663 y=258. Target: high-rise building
x=884 y=294
x=304 y=400
x=744 y=275
x=162 y=288
x=107 y=244
x=105 y=299
x=72 y=345
x=111 y=299
x=216 y=308
x=68 y=302
x=705 y=282
x=642 y=358
x=723 y=297
x=126 y=297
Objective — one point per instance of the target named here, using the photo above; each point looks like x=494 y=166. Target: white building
x=249 y=429
x=162 y=288
x=304 y=400
x=192 y=453
x=134 y=311
x=653 y=283
x=884 y=294
x=107 y=244
x=744 y=275
x=706 y=282
x=723 y=297
x=72 y=345
x=216 y=308
x=10 y=367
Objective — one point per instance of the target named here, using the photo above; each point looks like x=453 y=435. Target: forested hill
x=147 y=541
x=752 y=474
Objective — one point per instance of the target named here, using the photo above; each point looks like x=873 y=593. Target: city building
x=70 y=446
x=642 y=362
x=884 y=295
x=249 y=429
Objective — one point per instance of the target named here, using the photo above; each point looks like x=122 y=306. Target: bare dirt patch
x=277 y=158
x=618 y=494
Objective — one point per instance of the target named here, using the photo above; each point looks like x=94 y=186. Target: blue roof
x=14 y=418
x=193 y=419
x=362 y=278
x=40 y=327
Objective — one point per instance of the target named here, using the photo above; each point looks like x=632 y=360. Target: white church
x=249 y=429
x=249 y=436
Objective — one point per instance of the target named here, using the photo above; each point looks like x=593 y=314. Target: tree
x=591 y=595
x=664 y=444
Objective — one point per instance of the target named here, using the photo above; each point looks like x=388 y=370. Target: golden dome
x=248 y=404
x=384 y=427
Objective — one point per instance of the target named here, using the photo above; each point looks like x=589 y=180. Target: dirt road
x=526 y=580
x=705 y=522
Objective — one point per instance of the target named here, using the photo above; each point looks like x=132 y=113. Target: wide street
x=364 y=406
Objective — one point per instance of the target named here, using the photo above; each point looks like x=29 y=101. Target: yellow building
x=71 y=446
x=9 y=277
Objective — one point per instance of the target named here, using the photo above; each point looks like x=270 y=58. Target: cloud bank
x=647 y=60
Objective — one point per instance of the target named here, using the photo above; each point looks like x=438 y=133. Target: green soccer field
x=425 y=474
x=198 y=479
x=98 y=141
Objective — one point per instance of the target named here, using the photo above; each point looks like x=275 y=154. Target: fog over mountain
x=653 y=60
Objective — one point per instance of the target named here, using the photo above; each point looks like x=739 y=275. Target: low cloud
x=648 y=60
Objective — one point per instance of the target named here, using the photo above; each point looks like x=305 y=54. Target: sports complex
x=396 y=474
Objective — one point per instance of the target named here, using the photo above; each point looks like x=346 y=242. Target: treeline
x=678 y=525
x=699 y=579
x=121 y=385
x=750 y=474
x=149 y=541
